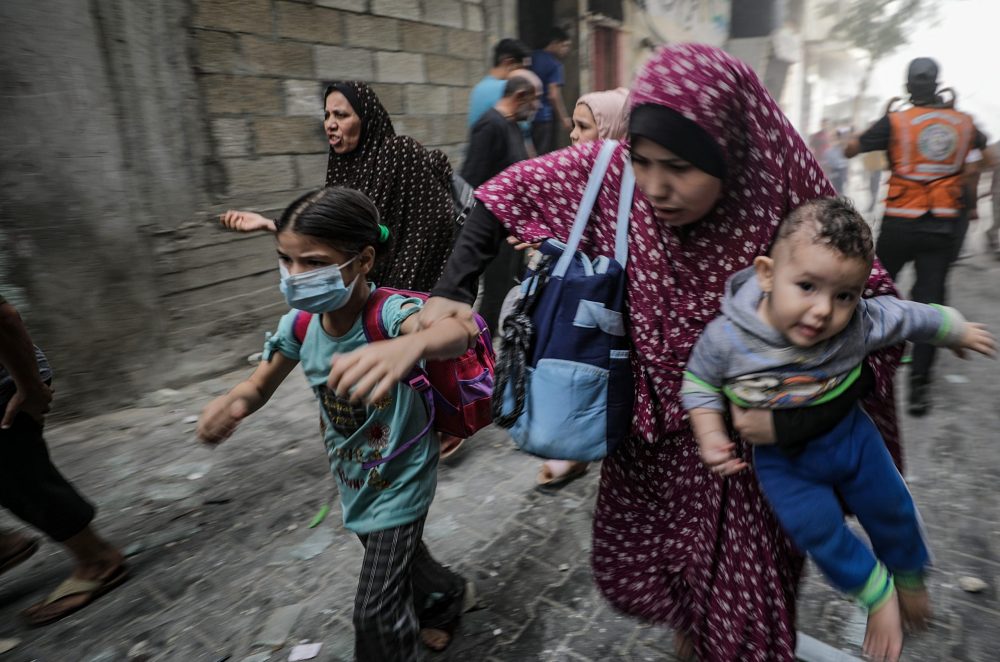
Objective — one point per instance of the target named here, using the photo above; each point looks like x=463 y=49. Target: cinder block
x=444 y=70
x=304 y=97
x=232 y=136
x=237 y=15
x=418 y=128
x=469 y=45
x=366 y=31
x=225 y=94
x=269 y=173
x=391 y=96
x=458 y=99
x=278 y=58
x=444 y=12
x=307 y=23
x=349 y=5
x=311 y=169
x=456 y=129
x=333 y=62
x=288 y=135
x=474 y=17
x=400 y=67
x=218 y=52
x=423 y=38
x=427 y=100
x=408 y=9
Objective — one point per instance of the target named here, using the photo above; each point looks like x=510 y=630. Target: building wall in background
x=130 y=126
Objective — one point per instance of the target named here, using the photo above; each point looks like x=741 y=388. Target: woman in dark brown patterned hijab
x=409 y=184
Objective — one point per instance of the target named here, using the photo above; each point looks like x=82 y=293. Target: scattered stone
x=497 y=632
x=564 y=567
x=291 y=527
x=190 y=419
x=279 y=625
x=197 y=475
x=161 y=539
x=7 y=645
x=140 y=652
x=809 y=649
x=161 y=398
x=956 y=379
x=972 y=584
x=104 y=656
x=304 y=652
x=314 y=545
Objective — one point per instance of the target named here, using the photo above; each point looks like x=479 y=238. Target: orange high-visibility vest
x=927 y=150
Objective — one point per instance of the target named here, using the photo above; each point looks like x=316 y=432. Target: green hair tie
x=383 y=233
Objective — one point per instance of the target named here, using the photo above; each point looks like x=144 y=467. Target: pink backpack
x=457 y=391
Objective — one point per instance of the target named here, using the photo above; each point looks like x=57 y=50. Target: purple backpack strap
x=422 y=386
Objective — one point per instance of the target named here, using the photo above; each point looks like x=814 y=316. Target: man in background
x=495 y=143
x=927 y=145
x=509 y=55
x=547 y=65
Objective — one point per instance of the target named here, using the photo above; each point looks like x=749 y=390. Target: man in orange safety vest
x=925 y=214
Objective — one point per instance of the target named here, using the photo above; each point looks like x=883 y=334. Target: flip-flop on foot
x=73 y=595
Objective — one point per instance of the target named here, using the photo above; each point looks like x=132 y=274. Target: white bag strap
x=624 y=209
x=586 y=205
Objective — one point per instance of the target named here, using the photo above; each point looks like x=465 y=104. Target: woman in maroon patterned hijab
x=718 y=166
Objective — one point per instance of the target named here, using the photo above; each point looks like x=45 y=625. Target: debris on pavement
x=279 y=625
x=313 y=545
x=304 y=652
x=972 y=584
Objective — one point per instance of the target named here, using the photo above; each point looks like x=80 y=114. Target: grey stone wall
x=131 y=126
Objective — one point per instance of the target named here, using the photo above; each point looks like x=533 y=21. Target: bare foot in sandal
x=557 y=473
x=100 y=567
x=436 y=640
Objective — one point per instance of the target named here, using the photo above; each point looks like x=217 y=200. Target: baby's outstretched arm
x=714 y=445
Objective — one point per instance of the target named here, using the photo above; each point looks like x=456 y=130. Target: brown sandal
x=40 y=614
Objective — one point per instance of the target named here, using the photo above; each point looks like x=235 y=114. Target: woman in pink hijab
x=717 y=166
x=600 y=115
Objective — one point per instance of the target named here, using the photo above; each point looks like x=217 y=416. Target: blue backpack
x=563 y=380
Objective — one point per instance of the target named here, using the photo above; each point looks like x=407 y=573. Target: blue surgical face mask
x=317 y=291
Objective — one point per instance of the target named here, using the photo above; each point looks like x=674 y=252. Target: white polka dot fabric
x=672 y=542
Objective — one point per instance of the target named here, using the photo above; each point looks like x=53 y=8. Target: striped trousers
x=401 y=589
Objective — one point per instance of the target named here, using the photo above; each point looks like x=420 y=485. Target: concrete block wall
x=132 y=125
x=260 y=67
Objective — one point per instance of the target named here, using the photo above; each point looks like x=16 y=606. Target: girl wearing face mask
x=717 y=166
x=328 y=243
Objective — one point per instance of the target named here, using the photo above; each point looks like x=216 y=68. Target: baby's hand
x=717 y=453
x=978 y=339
